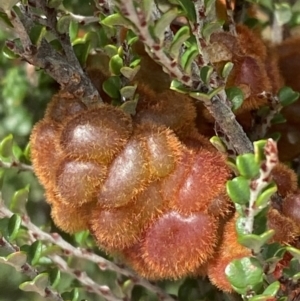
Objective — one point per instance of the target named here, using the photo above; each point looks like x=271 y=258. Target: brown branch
x=218 y=106
x=63 y=67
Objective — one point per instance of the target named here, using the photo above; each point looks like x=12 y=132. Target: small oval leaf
x=238 y=190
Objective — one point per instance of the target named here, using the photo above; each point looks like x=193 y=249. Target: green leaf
x=54 y=3
x=283 y=13
x=177 y=86
x=247 y=166
x=273 y=250
x=245 y=274
x=210 y=28
x=63 y=24
x=6 y=147
x=255 y=242
x=218 y=144
x=227 y=69
x=36 y=34
x=264 y=198
x=81 y=50
x=240 y=225
x=200 y=96
x=180 y=37
x=54 y=277
x=72 y=296
x=295 y=252
x=269 y=4
x=2 y=172
x=209 y=7
x=259 y=150
x=111 y=50
x=163 y=22
x=130 y=73
x=38 y=284
x=278 y=118
x=272 y=289
x=215 y=91
x=33 y=251
x=26 y=152
x=16 y=260
x=261 y=298
x=147 y=8
x=236 y=97
x=238 y=190
x=4 y=226
x=189 y=9
x=112 y=87
x=51 y=250
x=19 y=201
x=5 y=19
x=115 y=20
x=14 y=225
x=128 y=92
x=287 y=96
x=8 y=53
x=131 y=37
x=115 y=65
x=205 y=73
x=129 y=107
x=73 y=30
x=188 y=57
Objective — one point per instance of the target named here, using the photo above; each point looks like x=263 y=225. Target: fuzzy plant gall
x=44 y=154
x=77 y=182
x=187 y=240
x=97 y=134
x=136 y=184
x=62 y=106
x=119 y=228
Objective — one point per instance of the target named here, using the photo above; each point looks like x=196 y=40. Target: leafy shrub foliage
x=149 y=150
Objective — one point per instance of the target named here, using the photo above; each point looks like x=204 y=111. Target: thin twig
x=30 y=271
x=230 y=16
x=156 y=51
x=261 y=127
x=257 y=185
x=90 y=285
x=218 y=106
x=16 y=164
x=84 y=20
x=37 y=234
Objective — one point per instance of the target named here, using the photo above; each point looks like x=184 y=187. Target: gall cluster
x=142 y=193
x=151 y=188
